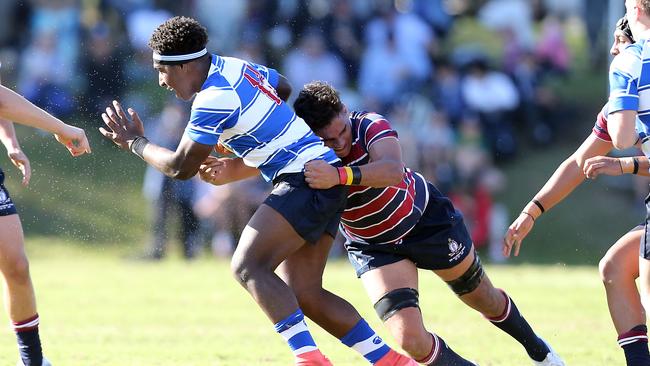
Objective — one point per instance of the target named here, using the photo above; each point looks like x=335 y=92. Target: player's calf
x=476 y=290
x=426 y=348
x=513 y=323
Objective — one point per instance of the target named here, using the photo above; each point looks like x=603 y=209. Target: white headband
x=186 y=57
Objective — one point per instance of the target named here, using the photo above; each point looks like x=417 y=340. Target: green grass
x=95 y=198
x=99 y=309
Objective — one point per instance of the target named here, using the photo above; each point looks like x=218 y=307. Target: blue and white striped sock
x=365 y=341
x=294 y=330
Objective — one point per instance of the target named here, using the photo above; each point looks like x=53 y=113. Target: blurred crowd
x=462 y=109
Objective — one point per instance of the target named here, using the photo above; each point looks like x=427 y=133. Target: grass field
x=98 y=308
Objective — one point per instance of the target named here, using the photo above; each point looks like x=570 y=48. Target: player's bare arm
x=14 y=151
x=564 y=180
x=127 y=132
x=384 y=169
x=219 y=171
x=18 y=109
x=621 y=128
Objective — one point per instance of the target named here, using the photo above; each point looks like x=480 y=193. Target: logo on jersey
x=455 y=249
x=377 y=340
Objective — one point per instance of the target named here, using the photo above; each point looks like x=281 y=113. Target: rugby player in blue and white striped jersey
x=239 y=106
x=629 y=98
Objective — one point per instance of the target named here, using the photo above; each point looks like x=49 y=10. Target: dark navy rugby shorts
x=438 y=241
x=7 y=206
x=311 y=212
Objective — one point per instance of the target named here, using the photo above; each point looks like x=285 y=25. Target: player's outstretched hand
x=320 y=175
x=74 y=139
x=20 y=160
x=211 y=170
x=121 y=129
x=602 y=165
x=516 y=233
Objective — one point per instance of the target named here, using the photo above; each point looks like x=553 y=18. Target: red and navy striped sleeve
x=373 y=128
x=600 y=128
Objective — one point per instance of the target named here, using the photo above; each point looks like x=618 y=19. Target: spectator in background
x=312 y=61
x=343 y=28
x=595 y=24
x=141 y=20
x=447 y=92
x=250 y=48
x=225 y=22
x=536 y=108
x=435 y=13
x=552 y=52
x=436 y=142
x=103 y=68
x=384 y=74
x=170 y=197
x=493 y=96
x=45 y=77
x=413 y=40
x=477 y=180
x=510 y=14
x=61 y=19
x=55 y=28
x=475 y=202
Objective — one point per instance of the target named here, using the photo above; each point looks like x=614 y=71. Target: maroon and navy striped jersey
x=380 y=215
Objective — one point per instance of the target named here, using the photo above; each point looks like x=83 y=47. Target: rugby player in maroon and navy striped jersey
x=396 y=222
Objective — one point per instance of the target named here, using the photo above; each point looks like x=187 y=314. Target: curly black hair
x=178 y=36
x=318 y=103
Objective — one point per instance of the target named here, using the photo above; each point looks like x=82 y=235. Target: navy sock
x=442 y=355
x=518 y=328
x=29 y=343
x=635 y=346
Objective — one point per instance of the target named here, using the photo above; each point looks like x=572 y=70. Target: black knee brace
x=396 y=300
x=470 y=280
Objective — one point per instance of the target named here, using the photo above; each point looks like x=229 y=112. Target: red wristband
x=343 y=175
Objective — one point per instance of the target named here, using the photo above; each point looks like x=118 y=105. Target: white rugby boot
x=552 y=358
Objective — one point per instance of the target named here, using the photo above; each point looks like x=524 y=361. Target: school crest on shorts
x=455 y=249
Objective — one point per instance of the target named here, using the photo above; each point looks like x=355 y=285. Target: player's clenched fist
x=74 y=139
x=321 y=175
x=211 y=170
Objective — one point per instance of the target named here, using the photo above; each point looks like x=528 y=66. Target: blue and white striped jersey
x=239 y=107
x=629 y=87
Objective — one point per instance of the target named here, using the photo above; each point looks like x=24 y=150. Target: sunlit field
x=83 y=217
x=98 y=308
